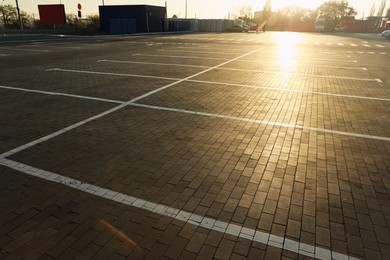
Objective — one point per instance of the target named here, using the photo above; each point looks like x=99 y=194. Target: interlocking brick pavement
x=326 y=190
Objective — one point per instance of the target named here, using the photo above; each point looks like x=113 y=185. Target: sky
x=202 y=9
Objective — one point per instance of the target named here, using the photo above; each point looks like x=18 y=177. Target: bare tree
x=372 y=10
x=382 y=7
x=246 y=12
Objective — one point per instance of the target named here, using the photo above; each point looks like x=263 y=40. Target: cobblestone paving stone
x=320 y=189
x=22 y=120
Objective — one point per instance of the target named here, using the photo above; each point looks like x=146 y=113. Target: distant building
x=121 y=19
x=372 y=24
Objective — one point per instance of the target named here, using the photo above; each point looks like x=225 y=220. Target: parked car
x=238 y=28
x=386 y=34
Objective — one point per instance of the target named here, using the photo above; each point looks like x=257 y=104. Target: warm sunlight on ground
x=287 y=50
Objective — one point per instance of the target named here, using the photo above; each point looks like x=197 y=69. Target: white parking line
x=181 y=215
x=153 y=63
x=210 y=68
x=303 y=74
x=200 y=52
x=263 y=122
x=197 y=66
x=177 y=56
x=62 y=94
x=316 y=60
x=194 y=75
x=292 y=90
x=243 y=60
x=111 y=74
x=71 y=127
x=223 y=83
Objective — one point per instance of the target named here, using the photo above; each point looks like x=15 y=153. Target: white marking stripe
x=153 y=63
x=111 y=74
x=71 y=127
x=315 y=129
x=220 y=83
x=243 y=60
x=316 y=60
x=181 y=215
x=62 y=131
x=179 y=57
x=303 y=74
x=200 y=52
x=62 y=94
x=194 y=75
x=197 y=66
x=291 y=90
x=211 y=68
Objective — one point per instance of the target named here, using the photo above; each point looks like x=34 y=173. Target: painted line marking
x=180 y=57
x=316 y=60
x=196 y=66
x=291 y=90
x=211 y=68
x=181 y=215
x=304 y=65
x=61 y=131
x=153 y=63
x=243 y=60
x=302 y=74
x=309 y=128
x=199 y=52
x=111 y=74
x=229 y=84
x=200 y=47
x=122 y=105
x=62 y=94
x=4 y=55
x=195 y=75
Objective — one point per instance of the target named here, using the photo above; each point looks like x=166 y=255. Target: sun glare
x=287 y=48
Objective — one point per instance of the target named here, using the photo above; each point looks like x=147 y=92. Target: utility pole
x=19 y=18
x=186 y=9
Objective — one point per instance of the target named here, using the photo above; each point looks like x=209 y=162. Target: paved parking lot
x=184 y=146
